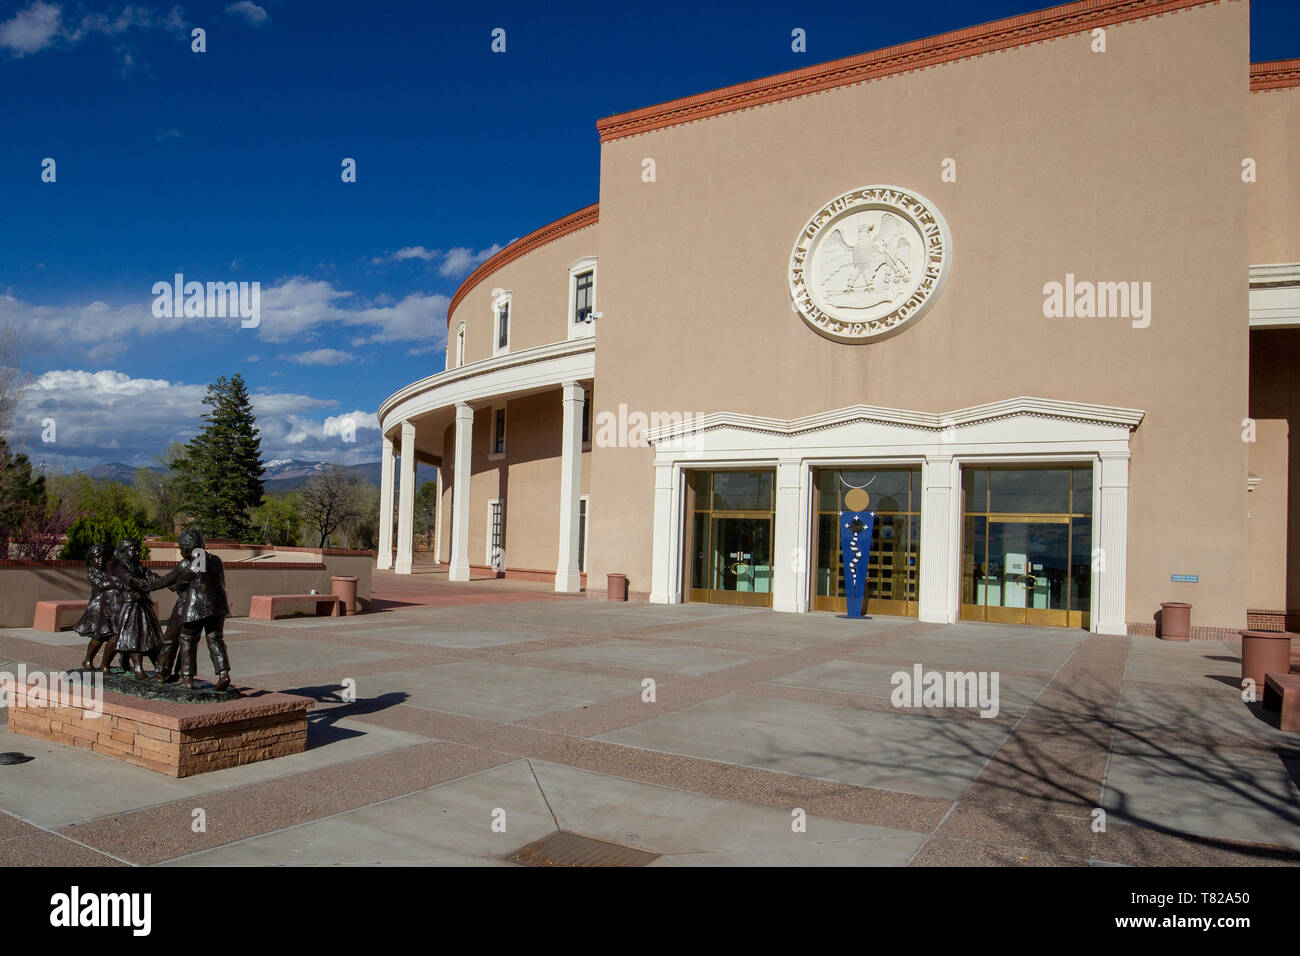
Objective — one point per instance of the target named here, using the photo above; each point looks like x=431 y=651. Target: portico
x=433 y=421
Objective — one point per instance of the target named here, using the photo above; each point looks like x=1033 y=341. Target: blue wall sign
x=1185 y=578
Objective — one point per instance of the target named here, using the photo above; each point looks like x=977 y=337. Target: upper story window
x=460 y=346
x=501 y=323
x=584 y=294
x=582 y=297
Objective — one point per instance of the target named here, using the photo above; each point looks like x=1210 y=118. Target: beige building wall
x=1113 y=167
x=1266 y=521
x=527 y=477
x=1275 y=196
x=539 y=286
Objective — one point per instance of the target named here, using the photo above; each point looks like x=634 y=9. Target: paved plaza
x=498 y=702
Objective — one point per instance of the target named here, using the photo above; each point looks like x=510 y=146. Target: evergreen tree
x=22 y=491
x=221 y=467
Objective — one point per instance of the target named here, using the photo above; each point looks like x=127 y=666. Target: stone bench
x=1282 y=692
x=49 y=614
x=262 y=607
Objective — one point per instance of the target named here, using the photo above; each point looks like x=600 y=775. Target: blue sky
x=225 y=166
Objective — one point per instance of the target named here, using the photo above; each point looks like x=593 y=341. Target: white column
x=459 y=569
x=789 y=552
x=1110 y=545
x=386 y=507
x=937 y=542
x=665 y=579
x=567 y=577
x=437 y=520
x=406 y=502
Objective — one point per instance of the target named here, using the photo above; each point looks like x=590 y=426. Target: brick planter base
x=179 y=740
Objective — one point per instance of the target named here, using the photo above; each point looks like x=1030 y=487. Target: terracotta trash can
x=1264 y=652
x=617 y=585
x=345 y=587
x=1175 y=621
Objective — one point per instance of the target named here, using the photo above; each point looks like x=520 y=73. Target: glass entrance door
x=1027 y=567
x=729 y=537
x=741 y=561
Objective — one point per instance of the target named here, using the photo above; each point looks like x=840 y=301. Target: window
x=584 y=296
x=496 y=552
x=499 y=432
x=501 y=323
x=582 y=533
x=460 y=346
x=586 y=417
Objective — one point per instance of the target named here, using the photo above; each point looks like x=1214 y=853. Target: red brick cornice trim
x=1274 y=75
x=932 y=51
x=587 y=216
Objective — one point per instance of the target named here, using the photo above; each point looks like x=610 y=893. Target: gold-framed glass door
x=894 y=562
x=1027 y=545
x=729 y=537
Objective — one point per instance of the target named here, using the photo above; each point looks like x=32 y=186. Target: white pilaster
x=568 y=579
x=459 y=568
x=665 y=582
x=385 y=560
x=937 y=541
x=406 y=502
x=437 y=520
x=789 y=551
x=1110 y=547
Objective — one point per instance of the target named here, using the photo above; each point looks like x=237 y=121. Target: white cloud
x=452 y=263
x=320 y=357
x=298 y=309
x=169 y=134
x=251 y=12
x=41 y=25
x=31 y=30
x=103 y=416
x=461 y=261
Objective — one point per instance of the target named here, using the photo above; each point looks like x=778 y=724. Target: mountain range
x=282 y=474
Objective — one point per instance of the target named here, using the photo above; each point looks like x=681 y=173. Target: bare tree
x=12 y=379
x=331 y=497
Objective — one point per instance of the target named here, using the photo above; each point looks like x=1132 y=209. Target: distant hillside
x=285 y=474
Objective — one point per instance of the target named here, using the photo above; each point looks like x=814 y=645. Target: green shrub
x=88 y=531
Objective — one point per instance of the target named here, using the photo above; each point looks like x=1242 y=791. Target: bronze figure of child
x=137 y=624
x=99 y=623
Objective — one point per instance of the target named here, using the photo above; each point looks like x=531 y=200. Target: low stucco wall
x=23 y=583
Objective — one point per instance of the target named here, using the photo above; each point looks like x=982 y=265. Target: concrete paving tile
x=683 y=825
x=1131 y=845
x=890 y=751
x=53 y=639
x=64 y=784
x=1146 y=710
x=1015 y=693
x=651 y=659
x=1210 y=664
x=165 y=832
x=446 y=825
x=257 y=658
x=495 y=691
x=1244 y=797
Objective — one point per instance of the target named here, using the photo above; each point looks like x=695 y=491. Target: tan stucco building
x=1034 y=285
